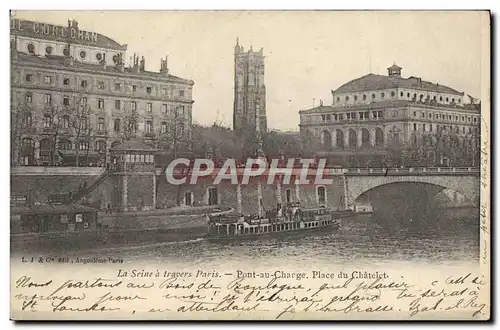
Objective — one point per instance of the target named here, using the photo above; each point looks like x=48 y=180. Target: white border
x=185 y=4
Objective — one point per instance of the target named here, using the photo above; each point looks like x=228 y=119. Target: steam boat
x=292 y=220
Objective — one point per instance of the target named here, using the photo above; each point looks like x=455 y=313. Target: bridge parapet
x=413 y=171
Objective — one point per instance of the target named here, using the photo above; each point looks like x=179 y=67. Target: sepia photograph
x=249 y=165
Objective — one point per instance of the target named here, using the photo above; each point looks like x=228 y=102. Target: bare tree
x=79 y=120
x=174 y=139
x=130 y=123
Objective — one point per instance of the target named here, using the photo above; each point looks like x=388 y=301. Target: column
x=372 y=136
x=36 y=155
x=297 y=192
x=278 y=195
x=239 y=199
x=124 y=192
x=154 y=190
x=334 y=138
x=259 y=198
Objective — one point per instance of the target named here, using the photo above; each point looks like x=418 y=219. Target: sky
x=307 y=53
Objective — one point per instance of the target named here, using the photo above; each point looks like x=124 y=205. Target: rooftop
x=48 y=31
x=372 y=82
x=58 y=61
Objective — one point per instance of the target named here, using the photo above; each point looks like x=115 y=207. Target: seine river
x=361 y=240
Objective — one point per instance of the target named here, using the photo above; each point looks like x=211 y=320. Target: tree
x=21 y=123
x=78 y=119
x=130 y=124
x=174 y=140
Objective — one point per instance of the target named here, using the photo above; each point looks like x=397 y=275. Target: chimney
x=135 y=67
x=164 y=65
x=142 y=66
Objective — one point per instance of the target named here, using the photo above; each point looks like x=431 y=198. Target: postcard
x=250 y=165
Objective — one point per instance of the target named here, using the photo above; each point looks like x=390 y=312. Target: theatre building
x=73 y=97
x=375 y=113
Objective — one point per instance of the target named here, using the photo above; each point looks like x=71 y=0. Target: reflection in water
x=361 y=239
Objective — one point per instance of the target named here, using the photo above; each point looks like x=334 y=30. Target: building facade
x=73 y=97
x=249 y=91
x=375 y=113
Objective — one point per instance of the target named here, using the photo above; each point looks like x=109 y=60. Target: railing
x=412 y=171
x=88 y=190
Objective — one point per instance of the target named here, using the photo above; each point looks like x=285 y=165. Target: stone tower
x=249 y=91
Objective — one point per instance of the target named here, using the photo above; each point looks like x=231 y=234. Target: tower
x=249 y=92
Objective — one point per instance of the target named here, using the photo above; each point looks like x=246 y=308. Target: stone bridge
x=465 y=181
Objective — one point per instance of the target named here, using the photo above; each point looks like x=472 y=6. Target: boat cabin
x=50 y=219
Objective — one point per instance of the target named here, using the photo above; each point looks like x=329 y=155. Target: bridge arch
x=466 y=185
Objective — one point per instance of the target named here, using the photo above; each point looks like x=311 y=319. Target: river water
x=362 y=240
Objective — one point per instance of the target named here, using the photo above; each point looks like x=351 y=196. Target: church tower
x=249 y=92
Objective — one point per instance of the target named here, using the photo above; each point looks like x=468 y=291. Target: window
x=118 y=86
x=355 y=97
x=66 y=51
x=100 y=85
x=181 y=93
x=83 y=145
x=421 y=97
x=449 y=117
x=468 y=119
x=414 y=127
x=414 y=113
x=83 y=123
x=456 y=118
x=430 y=115
x=338 y=98
x=47 y=121
x=100 y=124
x=83 y=83
x=164 y=91
x=408 y=95
x=163 y=108
x=149 y=107
x=149 y=127
x=133 y=105
x=459 y=100
x=148 y=90
x=48 y=79
x=117 y=104
x=48 y=98
x=463 y=130
x=213 y=196
x=65 y=122
x=29 y=98
x=83 y=101
x=180 y=110
x=66 y=81
x=423 y=127
x=31 y=48
x=364 y=97
x=288 y=195
x=98 y=56
x=27 y=120
x=66 y=100
x=373 y=96
x=163 y=128
x=83 y=54
x=393 y=94
x=117 y=125
x=475 y=120
x=430 y=127
x=100 y=103
x=100 y=145
x=134 y=88
x=440 y=98
x=347 y=98
x=402 y=94
x=463 y=118
x=470 y=130
x=434 y=98
x=29 y=77
x=382 y=95
x=188 y=198
x=64 y=144
x=321 y=195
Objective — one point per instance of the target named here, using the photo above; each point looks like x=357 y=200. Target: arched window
x=117 y=125
x=163 y=128
x=47 y=121
x=326 y=140
x=379 y=137
x=339 y=137
x=65 y=122
x=365 y=138
x=352 y=138
x=321 y=195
